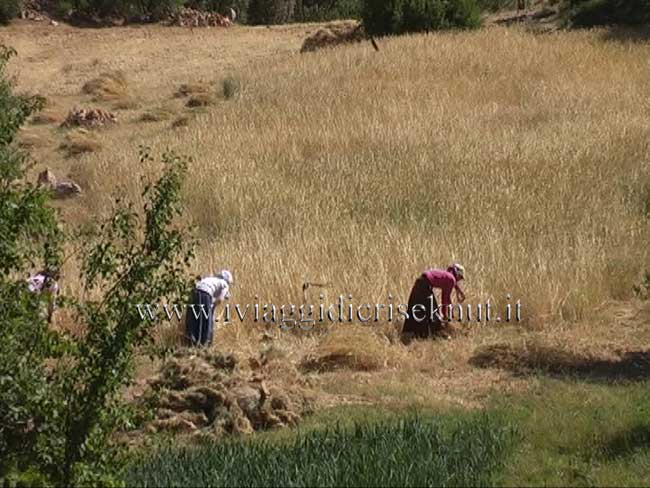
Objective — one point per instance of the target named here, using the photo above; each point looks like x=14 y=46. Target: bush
x=8 y=10
x=101 y=9
x=323 y=10
x=401 y=16
x=60 y=394
x=265 y=12
x=605 y=12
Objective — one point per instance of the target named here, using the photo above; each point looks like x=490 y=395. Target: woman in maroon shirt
x=425 y=320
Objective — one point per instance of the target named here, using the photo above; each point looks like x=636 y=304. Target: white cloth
x=216 y=287
x=224 y=274
x=36 y=282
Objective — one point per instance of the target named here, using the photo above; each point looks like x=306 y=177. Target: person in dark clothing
x=207 y=293
x=427 y=319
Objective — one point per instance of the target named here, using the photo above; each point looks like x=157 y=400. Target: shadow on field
x=629 y=366
x=627 y=442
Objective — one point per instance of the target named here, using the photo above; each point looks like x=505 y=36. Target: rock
x=66 y=189
x=54 y=23
x=60 y=189
x=187 y=17
x=90 y=118
x=46 y=178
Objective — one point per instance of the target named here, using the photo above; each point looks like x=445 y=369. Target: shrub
x=59 y=394
x=604 y=12
x=231 y=87
x=401 y=16
x=321 y=10
x=141 y=9
x=8 y=10
x=271 y=11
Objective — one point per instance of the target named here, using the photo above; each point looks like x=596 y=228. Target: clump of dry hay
x=189 y=89
x=200 y=100
x=355 y=348
x=46 y=118
x=181 y=121
x=79 y=142
x=199 y=391
x=334 y=34
x=30 y=140
x=89 y=118
x=159 y=114
x=110 y=86
x=128 y=103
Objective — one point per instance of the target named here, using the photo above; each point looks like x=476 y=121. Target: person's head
x=458 y=270
x=225 y=275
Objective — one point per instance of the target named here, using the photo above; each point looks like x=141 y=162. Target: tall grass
x=523 y=157
x=409 y=452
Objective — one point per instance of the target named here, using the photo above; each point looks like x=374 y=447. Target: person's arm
x=446 y=300
x=460 y=294
x=222 y=293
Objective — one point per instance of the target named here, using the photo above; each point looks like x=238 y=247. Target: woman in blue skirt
x=207 y=293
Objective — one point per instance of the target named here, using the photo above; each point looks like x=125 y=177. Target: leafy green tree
x=402 y=16
x=59 y=393
x=271 y=11
x=8 y=10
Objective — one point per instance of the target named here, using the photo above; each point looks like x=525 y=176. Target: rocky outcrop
x=59 y=189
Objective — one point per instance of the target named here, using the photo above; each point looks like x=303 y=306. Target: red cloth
x=444 y=280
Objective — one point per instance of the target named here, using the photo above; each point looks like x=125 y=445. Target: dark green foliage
x=102 y=9
x=409 y=452
x=322 y=10
x=267 y=12
x=606 y=12
x=8 y=10
x=402 y=16
x=28 y=234
x=59 y=395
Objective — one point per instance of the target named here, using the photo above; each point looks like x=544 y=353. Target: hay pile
x=334 y=34
x=203 y=392
x=111 y=86
x=189 y=89
x=89 y=117
x=187 y=17
x=354 y=348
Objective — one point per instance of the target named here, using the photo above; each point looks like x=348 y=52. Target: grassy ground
x=563 y=434
x=526 y=157
x=412 y=451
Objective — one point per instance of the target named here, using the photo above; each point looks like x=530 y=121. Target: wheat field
x=525 y=157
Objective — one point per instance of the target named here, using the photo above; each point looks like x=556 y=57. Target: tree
x=59 y=394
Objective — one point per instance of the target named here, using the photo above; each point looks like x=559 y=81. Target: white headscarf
x=225 y=275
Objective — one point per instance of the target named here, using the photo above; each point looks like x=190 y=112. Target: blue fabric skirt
x=200 y=318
